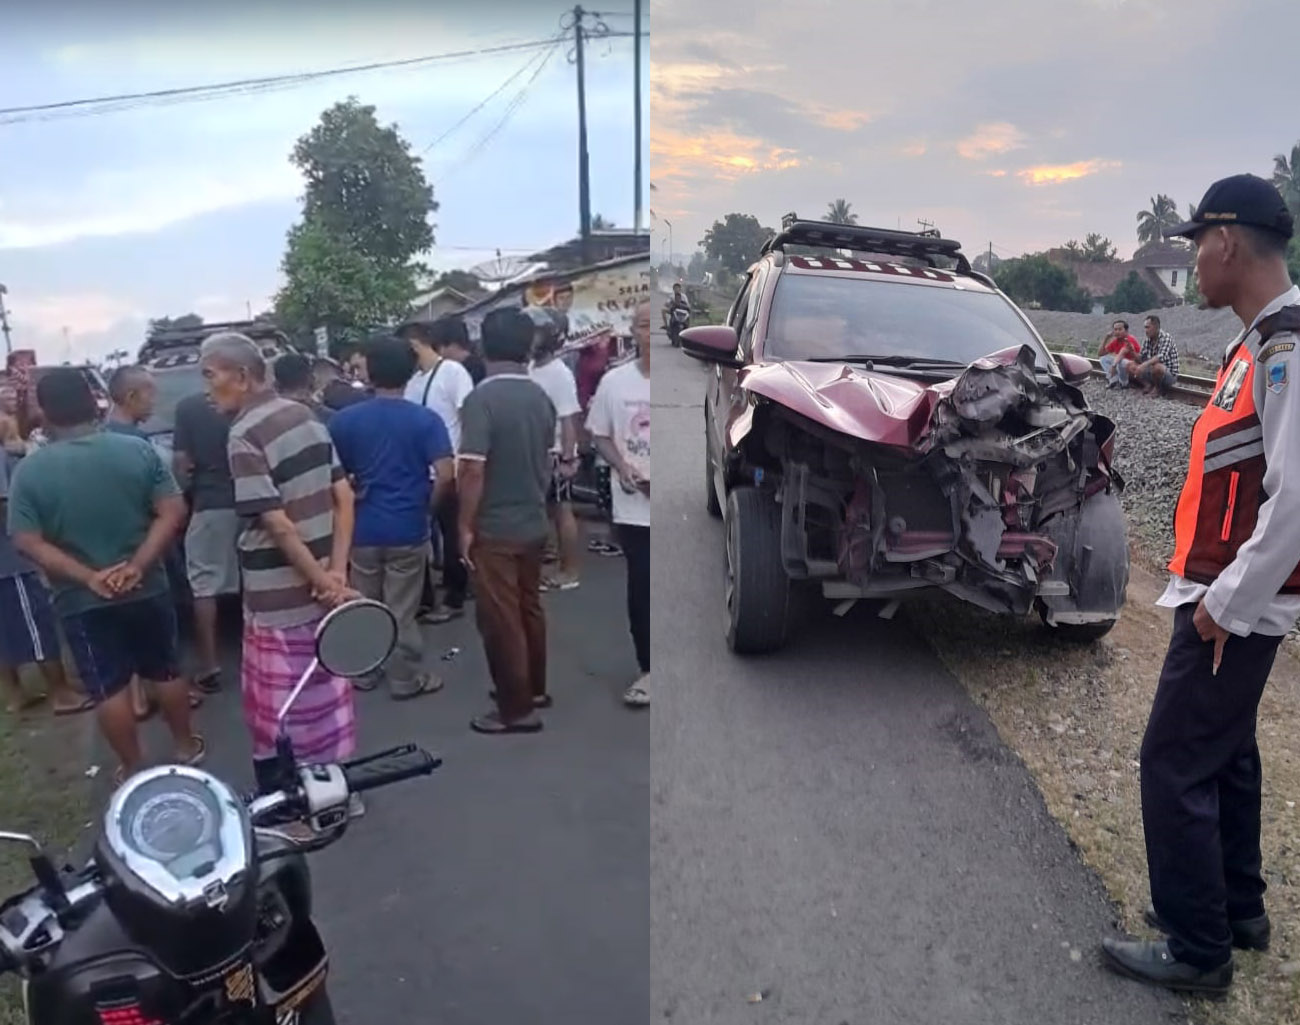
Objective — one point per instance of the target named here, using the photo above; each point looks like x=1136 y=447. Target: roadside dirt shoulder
x=1076 y=716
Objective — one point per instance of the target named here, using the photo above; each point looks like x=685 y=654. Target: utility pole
x=4 y=320
x=584 y=171
x=670 y=239
x=636 y=99
x=988 y=268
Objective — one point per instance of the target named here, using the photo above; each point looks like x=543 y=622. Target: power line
x=515 y=103
x=485 y=101
x=91 y=106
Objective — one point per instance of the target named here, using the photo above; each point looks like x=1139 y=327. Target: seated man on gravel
x=1156 y=368
x=1117 y=348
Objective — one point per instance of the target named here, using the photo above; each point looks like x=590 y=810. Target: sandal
x=638 y=695
x=200 y=751
x=493 y=724
x=208 y=683
x=539 y=700
x=87 y=703
x=426 y=685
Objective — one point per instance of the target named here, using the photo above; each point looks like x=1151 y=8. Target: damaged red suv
x=881 y=421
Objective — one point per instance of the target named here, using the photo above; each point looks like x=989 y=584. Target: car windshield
x=174 y=384
x=825 y=317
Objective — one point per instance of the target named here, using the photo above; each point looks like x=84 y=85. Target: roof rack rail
x=920 y=245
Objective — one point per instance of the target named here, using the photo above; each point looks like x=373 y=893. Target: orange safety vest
x=1220 y=500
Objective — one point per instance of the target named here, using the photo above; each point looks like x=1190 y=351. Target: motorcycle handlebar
x=385 y=767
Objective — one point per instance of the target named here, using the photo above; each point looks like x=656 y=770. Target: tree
x=601 y=223
x=1132 y=295
x=185 y=322
x=840 y=212
x=1093 y=249
x=1286 y=176
x=364 y=184
x=331 y=283
x=350 y=263
x=1161 y=217
x=986 y=262
x=1036 y=281
x=696 y=268
x=461 y=280
x=1192 y=291
x=1293 y=259
x=735 y=241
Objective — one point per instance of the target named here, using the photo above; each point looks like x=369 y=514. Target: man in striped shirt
x=297 y=511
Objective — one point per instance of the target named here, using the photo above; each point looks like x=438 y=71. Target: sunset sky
x=110 y=220
x=1017 y=122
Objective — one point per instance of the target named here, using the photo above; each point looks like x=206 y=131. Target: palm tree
x=840 y=212
x=1153 y=223
x=1286 y=176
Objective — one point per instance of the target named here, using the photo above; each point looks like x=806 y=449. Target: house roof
x=446 y=292
x=1164 y=254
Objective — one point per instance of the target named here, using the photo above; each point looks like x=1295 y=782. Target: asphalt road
x=836 y=828
x=513 y=884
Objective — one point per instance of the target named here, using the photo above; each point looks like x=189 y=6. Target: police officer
x=1235 y=588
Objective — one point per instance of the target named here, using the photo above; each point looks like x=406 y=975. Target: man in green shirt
x=96 y=511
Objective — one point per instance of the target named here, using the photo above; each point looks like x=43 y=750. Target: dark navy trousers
x=1201 y=790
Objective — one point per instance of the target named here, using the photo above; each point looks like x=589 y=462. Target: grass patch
x=1076 y=714
x=45 y=794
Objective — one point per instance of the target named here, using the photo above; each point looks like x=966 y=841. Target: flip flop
x=86 y=705
x=209 y=682
x=200 y=751
x=428 y=685
x=196 y=700
x=543 y=701
x=636 y=696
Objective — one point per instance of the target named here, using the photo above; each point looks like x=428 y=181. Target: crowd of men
x=1151 y=365
x=298 y=489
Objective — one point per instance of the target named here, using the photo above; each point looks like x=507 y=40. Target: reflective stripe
x=1235 y=438
x=1235 y=455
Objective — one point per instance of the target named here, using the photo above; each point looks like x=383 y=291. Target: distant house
x=1164 y=266
x=438 y=302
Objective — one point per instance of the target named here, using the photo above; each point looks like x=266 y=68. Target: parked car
x=884 y=422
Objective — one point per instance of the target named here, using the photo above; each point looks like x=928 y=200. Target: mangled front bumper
x=1006 y=501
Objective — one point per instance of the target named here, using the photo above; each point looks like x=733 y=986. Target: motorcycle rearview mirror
x=352 y=640
x=43 y=868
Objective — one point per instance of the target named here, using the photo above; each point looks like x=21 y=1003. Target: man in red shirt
x=1117 y=347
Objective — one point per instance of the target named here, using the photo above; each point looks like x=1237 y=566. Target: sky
x=110 y=220
x=1022 y=123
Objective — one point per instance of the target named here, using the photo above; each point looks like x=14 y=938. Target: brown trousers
x=508 y=605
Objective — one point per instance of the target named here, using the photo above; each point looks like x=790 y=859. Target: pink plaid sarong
x=322 y=723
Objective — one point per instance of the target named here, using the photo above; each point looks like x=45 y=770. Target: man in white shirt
x=619 y=422
x=561 y=387
x=1235 y=588
x=442 y=385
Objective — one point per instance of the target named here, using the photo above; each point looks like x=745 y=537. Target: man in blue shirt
x=399 y=457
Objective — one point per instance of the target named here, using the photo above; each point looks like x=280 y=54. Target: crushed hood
x=888 y=409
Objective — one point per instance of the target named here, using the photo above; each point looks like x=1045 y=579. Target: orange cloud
x=1055 y=174
x=996 y=174
x=991 y=139
x=722 y=154
x=839 y=120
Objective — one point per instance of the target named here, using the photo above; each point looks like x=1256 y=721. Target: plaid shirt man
x=1161 y=348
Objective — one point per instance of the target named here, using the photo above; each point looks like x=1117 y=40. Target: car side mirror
x=713 y=343
x=1074 y=369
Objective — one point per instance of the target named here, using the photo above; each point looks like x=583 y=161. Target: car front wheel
x=758 y=589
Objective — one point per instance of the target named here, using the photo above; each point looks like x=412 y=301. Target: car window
x=820 y=317
x=738 y=307
x=174 y=384
x=750 y=312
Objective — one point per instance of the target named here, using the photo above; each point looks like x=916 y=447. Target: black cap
x=1241 y=199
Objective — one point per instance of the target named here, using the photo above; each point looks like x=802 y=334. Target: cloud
x=1055 y=174
x=719 y=154
x=125 y=202
x=991 y=140
x=913 y=149
x=89 y=318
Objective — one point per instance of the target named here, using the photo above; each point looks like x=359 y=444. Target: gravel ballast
x=1151 y=450
x=1201 y=333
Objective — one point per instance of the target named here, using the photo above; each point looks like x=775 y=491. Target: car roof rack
x=175 y=338
x=919 y=245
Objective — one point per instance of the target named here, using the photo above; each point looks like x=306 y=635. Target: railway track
x=1190 y=390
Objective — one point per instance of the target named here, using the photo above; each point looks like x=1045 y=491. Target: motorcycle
x=195 y=907
x=679 y=319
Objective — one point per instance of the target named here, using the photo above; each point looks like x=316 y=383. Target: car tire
x=1077 y=633
x=757 y=587
x=711 y=502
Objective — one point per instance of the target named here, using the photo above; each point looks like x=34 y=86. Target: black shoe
x=1151 y=962
x=1247 y=933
